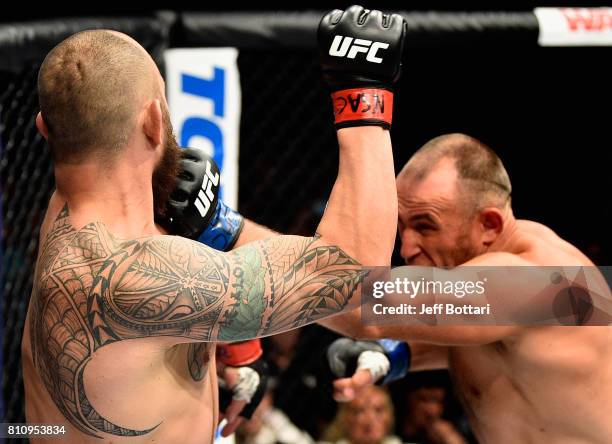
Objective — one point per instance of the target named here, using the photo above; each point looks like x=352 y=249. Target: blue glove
x=223 y=229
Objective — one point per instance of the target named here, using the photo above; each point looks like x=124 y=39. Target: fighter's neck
x=119 y=198
x=511 y=239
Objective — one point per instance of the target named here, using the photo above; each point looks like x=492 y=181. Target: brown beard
x=166 y=172
x=464 y=250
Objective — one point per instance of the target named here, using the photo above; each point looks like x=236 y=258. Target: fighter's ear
x=42 y=126
x=491 y=221
x=152 y=122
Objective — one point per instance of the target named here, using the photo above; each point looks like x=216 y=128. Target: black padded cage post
x=483 y=74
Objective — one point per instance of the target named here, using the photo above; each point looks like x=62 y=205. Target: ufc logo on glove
x=361 y=58
x=342 y=45
x=206 y=195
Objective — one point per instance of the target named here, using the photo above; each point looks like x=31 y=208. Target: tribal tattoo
x=197 y=360
x=93 y=289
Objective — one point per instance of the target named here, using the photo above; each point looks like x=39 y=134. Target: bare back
x=540 y=384
x=80 y=371
x=119 y=333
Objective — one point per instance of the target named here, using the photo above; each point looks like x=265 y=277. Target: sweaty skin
x=119 y=337
x=517 y=384
x=529 y=384
x=107 y=318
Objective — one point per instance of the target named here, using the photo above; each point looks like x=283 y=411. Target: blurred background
x=467 y=68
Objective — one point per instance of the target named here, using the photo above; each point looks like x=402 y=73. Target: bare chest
x=535 y=379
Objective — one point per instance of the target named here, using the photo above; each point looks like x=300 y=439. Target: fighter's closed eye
x=423 y=222
x=423 y=226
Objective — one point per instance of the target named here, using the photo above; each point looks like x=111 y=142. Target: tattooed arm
x=275 y=284
x=92 y=289
x=172 y=286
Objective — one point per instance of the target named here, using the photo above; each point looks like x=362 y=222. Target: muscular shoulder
x=545 y=247
x=160 y=264
x=498 y=259
x=539 y=246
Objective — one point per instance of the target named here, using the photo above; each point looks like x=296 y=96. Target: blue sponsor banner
x=203 y=89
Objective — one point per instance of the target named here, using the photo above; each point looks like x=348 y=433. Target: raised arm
x=358 y=227
x=267 y=286
x=361 y=212
x=228 y=229
x=356 y=218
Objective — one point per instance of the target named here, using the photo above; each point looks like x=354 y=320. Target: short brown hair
x=89 y=88
x=482 y=175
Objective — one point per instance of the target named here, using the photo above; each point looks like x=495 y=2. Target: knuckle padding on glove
x=194 y=209
x=194 y=201
x=343 y=355
x=361 y=53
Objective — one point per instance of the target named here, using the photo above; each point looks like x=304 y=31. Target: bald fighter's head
x=99 y=92
x=454 y=199
x=91 y=88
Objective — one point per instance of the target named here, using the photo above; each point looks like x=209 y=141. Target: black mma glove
x=386 y=359
x=361 y=53
x=194 y=209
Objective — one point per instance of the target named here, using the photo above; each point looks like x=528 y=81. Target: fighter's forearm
x=427 y=356
x=361 y=214
x=356 y=219
x=350 y=324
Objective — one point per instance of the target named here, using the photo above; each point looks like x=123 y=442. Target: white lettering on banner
x=203 y=89
x=341 y=47
x=574 y=26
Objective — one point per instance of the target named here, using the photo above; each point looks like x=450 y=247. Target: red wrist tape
x=239 y=353
x=363 y=106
